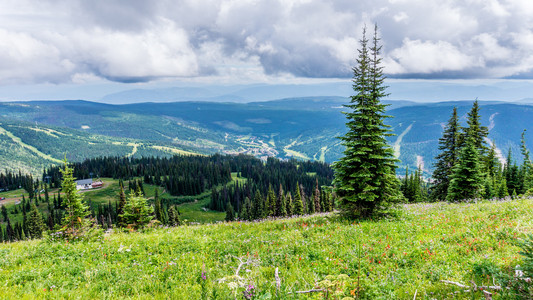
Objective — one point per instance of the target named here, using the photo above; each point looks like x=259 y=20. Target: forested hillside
x=244 y=183
x=303 y=128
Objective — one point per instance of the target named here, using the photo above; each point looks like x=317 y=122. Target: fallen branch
x=474 y=286
x=308 y=291
x=488 y=295
x=249 y=261
x=278 y=280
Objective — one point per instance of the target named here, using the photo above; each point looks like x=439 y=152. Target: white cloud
x=137 y=40
x=427 y=57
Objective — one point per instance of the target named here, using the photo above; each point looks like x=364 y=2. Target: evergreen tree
x=271 y=202
x=281 y=203
x=290 y=204
x=230 y=212
x=492 y=164
x=157 y=206
x=10 y=232
x=76 y=210
x=35 y=222
x=365 y=177
x=120 y=208
x=449 y=147
x=316 y=198
x=326 y=204
x=489 y=187
x=502 y=189
x=511 y=173
x=137 y=211
x=4 y=212
x=173 y=216
x=246 y=210
x=46 y=195
x=257 y=209
x=467 y=179
x=475 y=131
x=527 y=165
x=298 y=208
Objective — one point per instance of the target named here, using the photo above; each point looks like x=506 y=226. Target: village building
x=85 y=184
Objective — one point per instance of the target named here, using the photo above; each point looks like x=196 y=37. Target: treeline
x=12 y=181
x=299 y=190
x=180 y=175
x=469 y=168
x=33 y=221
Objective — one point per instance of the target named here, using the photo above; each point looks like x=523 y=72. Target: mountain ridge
x=301 y=127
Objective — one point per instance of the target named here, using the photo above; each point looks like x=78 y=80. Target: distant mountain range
x=419 y=91
x=36 y=133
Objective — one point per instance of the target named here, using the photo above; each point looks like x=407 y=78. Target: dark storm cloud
x=135 y=41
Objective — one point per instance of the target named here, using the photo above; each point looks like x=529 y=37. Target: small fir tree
x=173 y=216
x=230 y=212
x=76 y=210
x=298 y=203
x=35 y=223
x=290 y=204
x=137 y=212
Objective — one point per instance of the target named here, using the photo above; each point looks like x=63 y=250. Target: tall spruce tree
x=449 y=147
x=76 y=210
x=365 y=177
x=467 y=180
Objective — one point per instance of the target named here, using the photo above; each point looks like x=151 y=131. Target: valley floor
x=393 y=258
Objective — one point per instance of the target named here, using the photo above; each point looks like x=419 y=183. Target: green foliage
x=466 y=181
x=413 y=187
x=412 y=252
x=74 y=222
x=173 y=216
x=230 y=213
x=35 y=223
x=449 y=147
x=475 y=130
x=137 y=212
x=365 y=176
x=298 y=208
x=281 y=203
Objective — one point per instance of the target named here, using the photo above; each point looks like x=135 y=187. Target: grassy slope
x=425 y=244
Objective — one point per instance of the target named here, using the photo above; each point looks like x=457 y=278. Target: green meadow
x=404 y=256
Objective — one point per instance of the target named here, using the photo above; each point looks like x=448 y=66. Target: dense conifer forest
x=300 y=184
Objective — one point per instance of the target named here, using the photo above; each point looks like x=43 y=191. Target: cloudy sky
x=90 y=48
